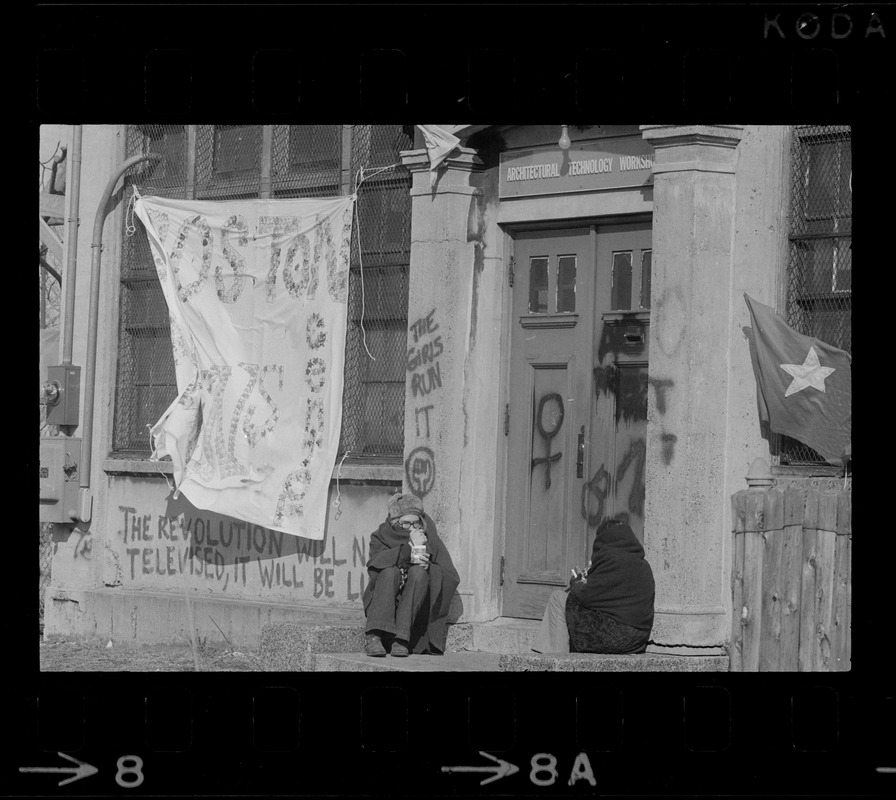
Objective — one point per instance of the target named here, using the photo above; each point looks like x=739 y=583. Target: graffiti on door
x=550 y=406
x=595 y=492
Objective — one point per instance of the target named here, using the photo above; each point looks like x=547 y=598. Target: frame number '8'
x=130 y=772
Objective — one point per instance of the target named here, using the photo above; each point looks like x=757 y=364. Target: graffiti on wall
x=231 y=555
x=420 y=471
x=423 y=356
x=425 y=378
x=660 y=387
x=84 y=545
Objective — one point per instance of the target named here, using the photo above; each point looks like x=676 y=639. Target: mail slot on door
x=59 y=479
x=625 y=334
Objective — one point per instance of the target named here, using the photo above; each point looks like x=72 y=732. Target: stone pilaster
x=450 y=420
x=686 y=520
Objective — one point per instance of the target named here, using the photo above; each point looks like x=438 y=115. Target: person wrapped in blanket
x=608 y=606
x=411 y=580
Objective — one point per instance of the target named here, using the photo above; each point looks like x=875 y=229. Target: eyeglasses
x=407 y=524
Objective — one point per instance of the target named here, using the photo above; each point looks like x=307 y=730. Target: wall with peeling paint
x=102 y=152
x=150 y=543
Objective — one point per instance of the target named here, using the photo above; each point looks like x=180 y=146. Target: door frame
x=508 y=231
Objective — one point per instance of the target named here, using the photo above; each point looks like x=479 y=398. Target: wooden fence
x=791 y=580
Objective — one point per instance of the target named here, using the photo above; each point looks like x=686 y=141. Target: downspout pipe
x=73 y=191
x=93 y=321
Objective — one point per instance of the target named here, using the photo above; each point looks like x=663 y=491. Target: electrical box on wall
x=65 y=410
x=59 y=479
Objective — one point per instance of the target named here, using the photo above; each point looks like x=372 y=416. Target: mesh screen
x=819 y=273
x=305 y=161
x=373 y=396
x=146 y=383
x=228 y=161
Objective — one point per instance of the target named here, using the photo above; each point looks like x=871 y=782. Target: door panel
x=619 y=424
x=578 y=401
x=550 y=405
x=549 y=482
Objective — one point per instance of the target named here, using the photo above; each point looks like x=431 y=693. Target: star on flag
x=809 y=373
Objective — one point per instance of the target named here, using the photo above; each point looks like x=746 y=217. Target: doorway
x=578 y=407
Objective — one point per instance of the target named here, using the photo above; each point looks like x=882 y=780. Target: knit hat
x=401 y=504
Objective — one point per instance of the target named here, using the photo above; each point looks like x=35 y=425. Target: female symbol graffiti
x=547 y=435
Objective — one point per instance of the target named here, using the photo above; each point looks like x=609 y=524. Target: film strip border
x=374 y=737
x=379 y=61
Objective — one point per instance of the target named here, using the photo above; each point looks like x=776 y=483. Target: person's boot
x=399 y=648
x=373 y=645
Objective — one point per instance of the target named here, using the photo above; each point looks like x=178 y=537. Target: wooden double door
x=578 y=407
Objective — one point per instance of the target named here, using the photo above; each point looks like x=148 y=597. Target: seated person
x=411 y=582
x=608 y=607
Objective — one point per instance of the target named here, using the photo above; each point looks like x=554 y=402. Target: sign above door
x=617 y=163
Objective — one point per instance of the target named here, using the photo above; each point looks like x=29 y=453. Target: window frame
x=798 y=221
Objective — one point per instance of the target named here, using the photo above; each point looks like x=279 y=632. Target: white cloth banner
x=256 y=293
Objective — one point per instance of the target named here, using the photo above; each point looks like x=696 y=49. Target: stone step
x=509 y=662
x=503 y=644
x=505 y=635
x=292 y=646
x=289 y=646
x=593 y=662
x=450 y=662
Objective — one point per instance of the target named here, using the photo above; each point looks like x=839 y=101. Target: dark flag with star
x=804 y=385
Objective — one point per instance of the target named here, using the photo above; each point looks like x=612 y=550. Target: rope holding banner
x=153 y=449
x=336 y=503
x=361 y=264
x=130 y=228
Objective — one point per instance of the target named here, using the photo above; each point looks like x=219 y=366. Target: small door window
x=631 y=280
x=552 y=284
x=646 y=265
x=566 y=283
x=538 y=285
x=622 y=280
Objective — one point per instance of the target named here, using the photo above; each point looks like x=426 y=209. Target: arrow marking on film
x=501 y=770
x=82 y=770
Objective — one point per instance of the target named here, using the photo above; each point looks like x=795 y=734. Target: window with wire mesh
x=305 y=161
x=376 y=342
x=819 y=272
x=146 y=384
